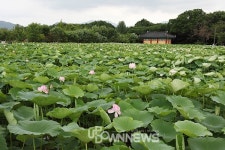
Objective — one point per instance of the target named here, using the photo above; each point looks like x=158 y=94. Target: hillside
x=7 y=25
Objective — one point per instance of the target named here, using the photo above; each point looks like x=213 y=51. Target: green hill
x=7 y=25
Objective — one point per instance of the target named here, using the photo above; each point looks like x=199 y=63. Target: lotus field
x=112 y=97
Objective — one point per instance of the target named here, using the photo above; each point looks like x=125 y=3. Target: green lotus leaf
x=150 y=145
x=53 y=72
x=160 y=100
x=159 y=146
x=8 y=105
x=74 y=91
x=206 y=143
x=210 y=74
x=24 y=113
x=105 y=77
x=10 y=117
x=14 y=93
x=157 y=84
x=96 y=103
x=116 y=147
x=40 y=98
x=161 y=111
x=122 y=124
x=85 y=135
x=3 y=142
x=213 y=122
x=70 y=127
x=138 y=104
x=140 y=145
x=92 y=87
x=124 y=106
x=23 y=138
x=25 y=96
x=191 y=113
x=164 y=129
x=143 y=89
x=186 y=107
x=223 y=130
x=123 y=83
x=41 y=79
x=105 y=117
x=219 y=98
x=191 y=129
x=77 y=112
x=20 y=84
x=2 y=97
x=42 y=127
x=106 y=106
x=178 y=85
x=59 y=113
x=179 y=101
x=105 y=92
x=51 y=98
x=212 y=58
x=91 y=95
x=79 y=109
x=143 y=116
x=206 y=65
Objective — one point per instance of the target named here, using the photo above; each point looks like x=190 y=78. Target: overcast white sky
x=48 y=12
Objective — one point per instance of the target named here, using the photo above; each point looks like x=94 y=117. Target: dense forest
x=190 y=27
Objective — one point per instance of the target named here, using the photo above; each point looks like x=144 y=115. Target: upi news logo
x=99 y=136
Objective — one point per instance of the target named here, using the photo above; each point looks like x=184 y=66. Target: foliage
x=192 y=26
x=121 y=27
x=172 y=96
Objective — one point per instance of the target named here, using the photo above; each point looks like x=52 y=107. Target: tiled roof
x=157 y=35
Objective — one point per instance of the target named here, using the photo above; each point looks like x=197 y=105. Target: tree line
x=190 y=27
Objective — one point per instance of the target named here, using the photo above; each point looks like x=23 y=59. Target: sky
x=25 y=12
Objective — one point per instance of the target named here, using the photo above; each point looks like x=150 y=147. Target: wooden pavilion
x=157 y=37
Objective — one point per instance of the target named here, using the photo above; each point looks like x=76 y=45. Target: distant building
x=156 y=37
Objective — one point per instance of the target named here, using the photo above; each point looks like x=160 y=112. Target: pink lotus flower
x=115 y=109
x=132 y=65
x=43 y=88
x=91 y=72
x=61 y=79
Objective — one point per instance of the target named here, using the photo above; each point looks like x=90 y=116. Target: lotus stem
x=86 y=147
x=34 y=146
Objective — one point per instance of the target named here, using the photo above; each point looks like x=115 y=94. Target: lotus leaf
x=191 y=129
x=123 y=123
x=35 y=128
x=164 y=129
x=178 y=85
x=206 y=143
x=73 y=91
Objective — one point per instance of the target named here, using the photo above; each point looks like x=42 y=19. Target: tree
x=121 y=27
x=46 y=32
x=185 y=25
x=141 y=27
x=203 y=32
x=220 y=32
x=215 y=22
x=4 y=33
x=107 y=33
x=215 y=17
x=19 y=33
x=57 y=34
x=143 y=23
x=34 y=33
x=100 y=23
